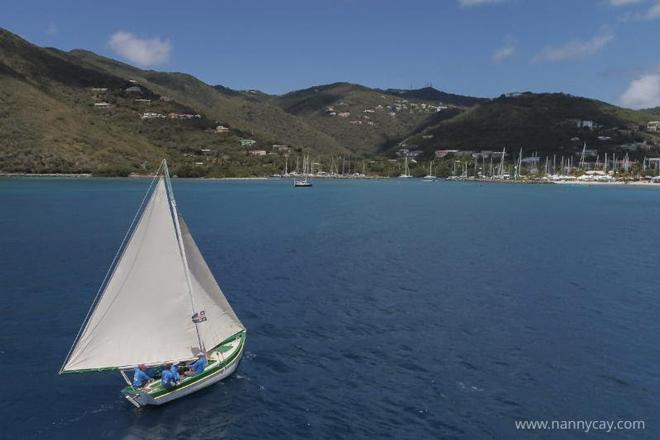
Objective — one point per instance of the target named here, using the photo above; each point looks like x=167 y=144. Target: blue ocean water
x=375 y=309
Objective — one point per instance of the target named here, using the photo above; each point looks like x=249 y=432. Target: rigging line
x=129 y=232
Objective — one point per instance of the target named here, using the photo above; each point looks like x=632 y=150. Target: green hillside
x=61 y=114
x=365 y=120
x=80 y=112
x=431 y=94
x=545 y=123
x=240 y=110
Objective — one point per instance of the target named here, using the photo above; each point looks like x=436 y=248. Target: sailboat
x=406 y=170
x=304 y=182
x=430 y=177
x=158 y=304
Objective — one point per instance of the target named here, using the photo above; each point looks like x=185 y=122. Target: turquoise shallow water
x=374 y=308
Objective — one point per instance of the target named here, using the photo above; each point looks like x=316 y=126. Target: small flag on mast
x=199 y=317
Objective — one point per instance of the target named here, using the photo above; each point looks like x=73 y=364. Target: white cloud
x=644 y=92
x=652 y=13
x=144 y=52
x=468 y=3
x=623 y=2
x=503 y=53
x=52 y=29
x=576 y=49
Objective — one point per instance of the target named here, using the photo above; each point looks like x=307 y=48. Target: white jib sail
x=221 y=321
x=144 y=313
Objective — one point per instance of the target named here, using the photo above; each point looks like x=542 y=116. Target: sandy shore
x=511 y=182
x=44 y=175
x=635 y=183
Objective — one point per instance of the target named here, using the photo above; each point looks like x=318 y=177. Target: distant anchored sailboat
x=304 y=182
x=430 y=177
x=406 y=170
x=159 y=305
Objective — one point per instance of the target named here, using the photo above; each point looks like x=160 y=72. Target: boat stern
x=136 y=397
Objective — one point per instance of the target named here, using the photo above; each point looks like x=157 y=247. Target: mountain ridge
x=76 y=111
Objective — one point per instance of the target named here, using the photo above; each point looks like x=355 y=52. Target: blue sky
x=606 y=49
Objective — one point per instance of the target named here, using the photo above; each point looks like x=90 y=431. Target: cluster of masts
x=552 y=166
x=306 y=168
x=491 y=166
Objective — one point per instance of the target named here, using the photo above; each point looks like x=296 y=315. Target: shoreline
x=635 y=183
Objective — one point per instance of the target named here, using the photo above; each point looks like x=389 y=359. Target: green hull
x=215 y=367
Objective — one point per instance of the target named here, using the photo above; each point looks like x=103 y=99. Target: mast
x=502 y=162
x=182 y=250
x=584 y=151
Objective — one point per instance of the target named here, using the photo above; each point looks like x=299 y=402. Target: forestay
x=144 y=312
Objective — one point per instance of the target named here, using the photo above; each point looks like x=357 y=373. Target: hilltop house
x=439 y=154
x=221 y=129
x=101 y=105
x=532 y=160
x=247 y=142
x=281 y=148
x=258 y=152
x=133 y=89
x=184 y=116
x=653 y=126
x=410 y=151
x=152 y=115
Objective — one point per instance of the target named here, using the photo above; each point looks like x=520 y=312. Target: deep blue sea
x=374 y=309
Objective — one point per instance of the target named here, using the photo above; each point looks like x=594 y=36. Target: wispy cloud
x=643 y=92
x=504 y=52
x=574 y=50
x=469 y=3
x=52 y=29
x=144 y=52
x=652 y=13
x=623 y=2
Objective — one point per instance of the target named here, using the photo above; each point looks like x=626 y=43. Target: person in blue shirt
x=167 y=377
x=140 y=376
x=175 y=373
x=198 y=366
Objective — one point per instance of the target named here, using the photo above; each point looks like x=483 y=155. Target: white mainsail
x=144 y=313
